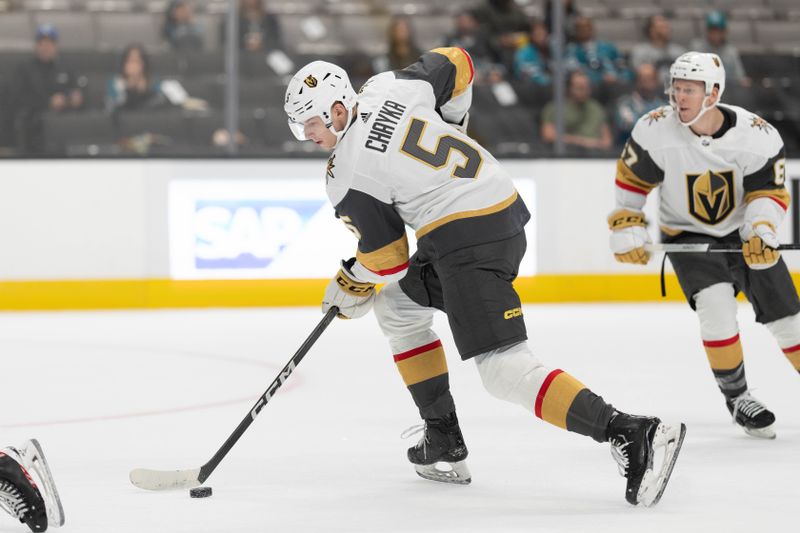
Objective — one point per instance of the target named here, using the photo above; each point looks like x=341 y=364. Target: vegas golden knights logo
x=711 y=196
x=311 y=81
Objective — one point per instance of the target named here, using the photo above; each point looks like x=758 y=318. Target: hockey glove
x=760 y=246
x=353 y=298
x=629 y=236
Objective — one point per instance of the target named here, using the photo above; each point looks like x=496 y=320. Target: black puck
x=200 y=492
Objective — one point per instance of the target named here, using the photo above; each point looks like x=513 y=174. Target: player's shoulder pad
x=449 y=71
x=762 y=138
x=650 y=130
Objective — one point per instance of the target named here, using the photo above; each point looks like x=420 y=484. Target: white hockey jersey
x=706 y=182
x=401 y=162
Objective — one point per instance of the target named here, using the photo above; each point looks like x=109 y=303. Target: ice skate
x=27 y=489
x=440 y=455
x=754 y=418
x=637 y=443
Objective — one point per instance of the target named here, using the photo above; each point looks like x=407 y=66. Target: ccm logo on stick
x=264 y=400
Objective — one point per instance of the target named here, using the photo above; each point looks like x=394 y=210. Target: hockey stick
x=729 y=248
x=186 y=479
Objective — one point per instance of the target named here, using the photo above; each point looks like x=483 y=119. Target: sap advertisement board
x=269 y=229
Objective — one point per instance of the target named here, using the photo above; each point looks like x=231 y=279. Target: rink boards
x=189 y=233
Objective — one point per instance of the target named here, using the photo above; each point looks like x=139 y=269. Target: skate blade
x=456 y=473
x=669 y=439
x=37 y=463
x=761 y=433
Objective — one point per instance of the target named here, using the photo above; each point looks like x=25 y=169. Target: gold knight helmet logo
x=711 y=196
x=311 y=81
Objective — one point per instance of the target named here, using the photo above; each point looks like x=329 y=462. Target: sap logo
x=248 y=233
x=512 y=313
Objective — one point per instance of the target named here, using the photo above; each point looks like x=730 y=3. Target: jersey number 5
x=440 y=156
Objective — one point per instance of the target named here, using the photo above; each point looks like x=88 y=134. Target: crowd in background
x=606 y=90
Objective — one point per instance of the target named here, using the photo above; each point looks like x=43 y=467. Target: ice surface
x=107 y=392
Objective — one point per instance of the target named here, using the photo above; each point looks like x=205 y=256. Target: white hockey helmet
x=697 y=66
x=313 y=91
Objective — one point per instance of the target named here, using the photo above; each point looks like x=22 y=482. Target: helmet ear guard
x=697 y=66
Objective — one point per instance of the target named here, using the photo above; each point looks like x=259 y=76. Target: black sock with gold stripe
x=424 y=371
x=566 y=402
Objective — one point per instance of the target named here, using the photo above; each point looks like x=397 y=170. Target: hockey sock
x=424 y=371
x=515 y=375
x=727 y=363
x=787 y=332
x=566 y=402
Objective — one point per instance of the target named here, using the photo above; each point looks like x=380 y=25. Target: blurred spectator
x=532 y=61
x=585 y=123
x=506 y=25
x=403 y=49
x=475 y=39
x=716 y=42
x=134 y=88
x=570 y=12
x=180 y=29
x=647 y=95
x=258 y=30
x=600 y=60
x=659 y=50
x=39 y=85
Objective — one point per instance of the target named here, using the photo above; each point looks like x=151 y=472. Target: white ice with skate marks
x=325 y=455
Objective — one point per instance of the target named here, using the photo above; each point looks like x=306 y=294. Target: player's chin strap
x=703 y=109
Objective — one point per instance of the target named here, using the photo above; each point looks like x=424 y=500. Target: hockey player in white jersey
x=721 y=173
x=27 y=490
x=401 y=158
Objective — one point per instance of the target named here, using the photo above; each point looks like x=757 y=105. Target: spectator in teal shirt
x=645 y=97
x=532 y=61
x=600 y=60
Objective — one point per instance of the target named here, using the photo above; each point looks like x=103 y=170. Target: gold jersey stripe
x=423 y=366
x=390 y=256
x=496 y=208
x=628 y=177
x=559 y=398
x=725 y=357
x=781 y=195
x=463 y=64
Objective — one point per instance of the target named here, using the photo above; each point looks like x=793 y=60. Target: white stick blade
x=165 y=479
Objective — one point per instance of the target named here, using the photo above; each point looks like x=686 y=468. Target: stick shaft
x=284 y=374
x=707 y=247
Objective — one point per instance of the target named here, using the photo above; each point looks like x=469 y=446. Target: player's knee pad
x=786 y=330
x=716 y=308
x=399 y=316
x=512 y=374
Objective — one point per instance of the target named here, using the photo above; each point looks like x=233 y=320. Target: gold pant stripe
x=423 y=366
x=725 y=357
x=496 y=208
x=463 y=64
x=558 y=399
